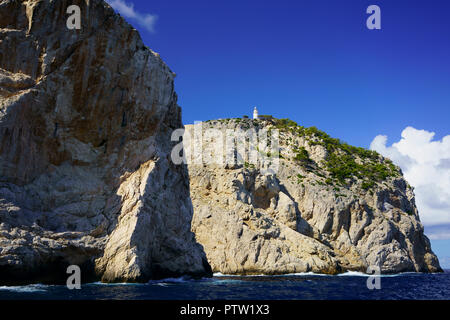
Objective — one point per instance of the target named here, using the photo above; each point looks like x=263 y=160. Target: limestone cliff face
x=329 y=208
x=85 y=171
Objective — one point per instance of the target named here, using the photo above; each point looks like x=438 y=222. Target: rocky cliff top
x=323 y=159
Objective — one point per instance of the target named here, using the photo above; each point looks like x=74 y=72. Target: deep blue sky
x=312 y=61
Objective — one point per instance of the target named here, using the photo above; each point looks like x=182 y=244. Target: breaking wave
x=25 y=289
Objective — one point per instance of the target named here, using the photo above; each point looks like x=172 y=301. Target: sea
x=303 y=286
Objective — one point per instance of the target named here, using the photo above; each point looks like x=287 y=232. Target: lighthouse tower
x=255 y=113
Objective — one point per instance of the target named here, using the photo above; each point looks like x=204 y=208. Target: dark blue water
x=305 y=286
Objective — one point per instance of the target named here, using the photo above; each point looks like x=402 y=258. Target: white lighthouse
x=255 y=113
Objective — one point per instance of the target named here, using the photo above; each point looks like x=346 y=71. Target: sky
x=317 y=63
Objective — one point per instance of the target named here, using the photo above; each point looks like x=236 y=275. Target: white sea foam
x=99 y=283
x=345 y=274
x=306 y=274
x=353 y=274
x=165 y=281
x=218 y=274
x=174 y=280
x=27 y=288
x=362 y=274
x=161 y=282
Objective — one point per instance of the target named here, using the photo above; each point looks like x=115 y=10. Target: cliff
x=85 y=173
x=327 y=208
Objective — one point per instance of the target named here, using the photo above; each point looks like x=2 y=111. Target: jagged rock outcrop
x=328 y=208
x=85 y=171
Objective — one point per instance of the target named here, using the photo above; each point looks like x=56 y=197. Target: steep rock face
x=329 y=207
x=85 y=170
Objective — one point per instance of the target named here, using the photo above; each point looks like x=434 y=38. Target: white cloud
x=439 y=236
x=146 y=20
x=438 y=232
x=426 y=166
x=444 y=262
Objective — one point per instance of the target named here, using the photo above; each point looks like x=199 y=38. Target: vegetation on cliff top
x=344 y=163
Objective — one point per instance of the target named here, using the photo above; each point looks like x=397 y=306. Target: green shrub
x=249 y=165
x=285 y=123
x=345 y=163
x=366 y=185
x=302 y=155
